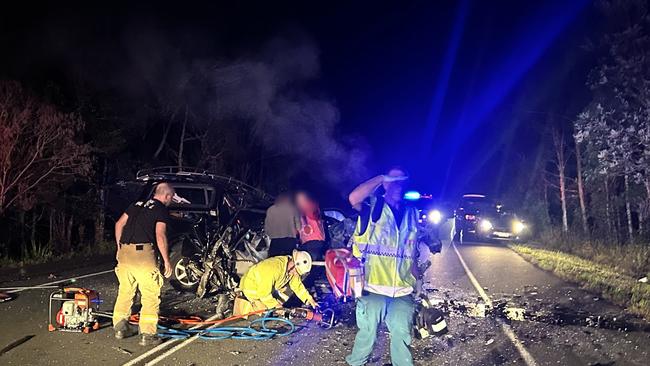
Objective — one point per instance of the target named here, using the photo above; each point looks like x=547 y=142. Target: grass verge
x=43 y=254
x=619 y=288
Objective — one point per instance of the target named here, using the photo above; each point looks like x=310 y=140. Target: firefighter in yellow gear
x=142 y=226
x=264 y=282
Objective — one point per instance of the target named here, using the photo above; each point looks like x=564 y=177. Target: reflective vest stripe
x=385 y=251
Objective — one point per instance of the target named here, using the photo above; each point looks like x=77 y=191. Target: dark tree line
x=63 y=144
x=592 y=177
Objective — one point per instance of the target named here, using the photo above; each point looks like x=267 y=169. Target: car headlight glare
x=518 y=227
x=434 y=216
x=485 y=225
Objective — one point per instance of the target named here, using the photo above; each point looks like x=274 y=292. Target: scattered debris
x=489 y=341
x=234 y=353
x=125 y=351
x=643 y=280
x=15 y=344
x=5 y=297
x=51 y=276
x=513 y=313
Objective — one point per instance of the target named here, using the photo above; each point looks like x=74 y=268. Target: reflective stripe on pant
x=137 y=270
x=397 y=312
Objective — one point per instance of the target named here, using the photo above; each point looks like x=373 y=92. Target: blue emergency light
x=412 y=195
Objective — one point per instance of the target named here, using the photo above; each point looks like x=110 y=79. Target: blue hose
x=243 y=333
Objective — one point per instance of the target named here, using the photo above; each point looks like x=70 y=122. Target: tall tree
x=560 y=163
x=38 y=143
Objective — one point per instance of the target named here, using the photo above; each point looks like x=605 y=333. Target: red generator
x=73 y=309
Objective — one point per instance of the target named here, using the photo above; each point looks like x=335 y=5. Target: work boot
x=124 y=329
x=149 y=340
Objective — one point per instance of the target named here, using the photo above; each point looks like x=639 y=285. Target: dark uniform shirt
x=141 y=225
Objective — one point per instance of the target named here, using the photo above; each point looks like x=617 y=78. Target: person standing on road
x=282 y=224
x=312 y=232
x=385 y=240
x=141 y=227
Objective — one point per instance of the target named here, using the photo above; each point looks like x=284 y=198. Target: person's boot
x=124 y=329
x=149 y=340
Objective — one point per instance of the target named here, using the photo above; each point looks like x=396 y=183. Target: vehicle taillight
x=470 y=217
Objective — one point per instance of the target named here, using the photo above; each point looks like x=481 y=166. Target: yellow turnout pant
x=137 y=270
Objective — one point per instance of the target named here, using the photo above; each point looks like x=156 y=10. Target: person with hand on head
x=385 y=240
x=264 y=283
x=139 y=232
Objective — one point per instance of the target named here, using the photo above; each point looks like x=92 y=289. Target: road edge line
x=163 y=346
x=507 y=330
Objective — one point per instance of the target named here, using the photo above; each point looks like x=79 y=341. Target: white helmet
x=302 y=261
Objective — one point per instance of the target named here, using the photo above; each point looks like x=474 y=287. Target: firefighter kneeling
x=264 y=283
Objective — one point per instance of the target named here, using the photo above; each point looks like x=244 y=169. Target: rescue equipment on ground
x=74 y=309
x=344 y=273
x=325 y=318
x=258 y=329
x=429 y=320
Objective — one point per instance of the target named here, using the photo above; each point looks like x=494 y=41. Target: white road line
x=178 y=347
x=66 y=280
x=164 y=345
x=507 y=330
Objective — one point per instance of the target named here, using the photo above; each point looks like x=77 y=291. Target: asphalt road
x=499 y=275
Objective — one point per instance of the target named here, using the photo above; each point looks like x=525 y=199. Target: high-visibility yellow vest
x=388 y=252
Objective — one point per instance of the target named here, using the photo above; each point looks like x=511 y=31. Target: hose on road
x=257 y=330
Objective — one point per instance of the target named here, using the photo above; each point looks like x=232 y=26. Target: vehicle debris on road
x=123 y=350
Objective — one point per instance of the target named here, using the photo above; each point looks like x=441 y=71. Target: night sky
x=455 y=91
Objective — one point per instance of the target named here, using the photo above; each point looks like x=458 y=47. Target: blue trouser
x=397 y=312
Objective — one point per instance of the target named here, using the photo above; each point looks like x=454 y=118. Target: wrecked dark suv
x=207 y=209
x=207 y=194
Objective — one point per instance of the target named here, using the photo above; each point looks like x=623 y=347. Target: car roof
x=252 y=195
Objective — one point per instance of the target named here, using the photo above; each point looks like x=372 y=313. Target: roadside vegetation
x=610 y=280
x=586 y=195
x=44 y=253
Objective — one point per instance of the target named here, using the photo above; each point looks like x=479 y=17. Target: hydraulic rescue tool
x=324 y=318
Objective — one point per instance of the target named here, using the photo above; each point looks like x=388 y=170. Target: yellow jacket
x=268 y=276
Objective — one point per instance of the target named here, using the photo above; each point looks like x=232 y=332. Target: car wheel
x=182 y=278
